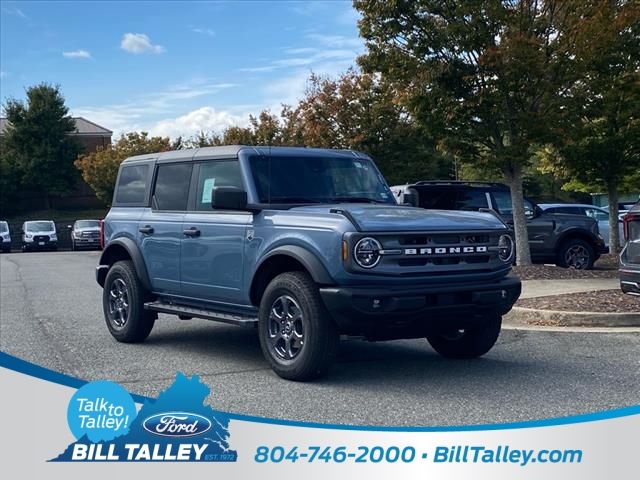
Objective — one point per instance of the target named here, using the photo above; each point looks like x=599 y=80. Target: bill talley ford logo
x=446 y=250
x=176 y=424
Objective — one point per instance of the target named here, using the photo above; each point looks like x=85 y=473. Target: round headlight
x=505 y=248
x=367 y=252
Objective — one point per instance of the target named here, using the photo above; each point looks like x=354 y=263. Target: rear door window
x=437 y=198
x=132 y=184
x=171 y=191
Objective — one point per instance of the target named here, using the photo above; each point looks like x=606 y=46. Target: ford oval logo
x=176 y=424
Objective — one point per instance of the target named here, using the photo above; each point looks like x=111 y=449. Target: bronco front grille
x=435 y=253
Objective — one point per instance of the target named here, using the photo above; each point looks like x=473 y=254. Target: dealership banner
x=56 y=425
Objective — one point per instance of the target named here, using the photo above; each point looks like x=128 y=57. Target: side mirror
x=410 y=199
x=70 y=227
x=228 y=198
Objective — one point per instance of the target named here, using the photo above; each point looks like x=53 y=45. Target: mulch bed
x=605 y=267
x=607 y=301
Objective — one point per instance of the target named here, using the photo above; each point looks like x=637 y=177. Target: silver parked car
x=600 y=214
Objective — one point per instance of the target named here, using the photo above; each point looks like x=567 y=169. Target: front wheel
x=297 y=335
x=470 y=342
x=123 y=304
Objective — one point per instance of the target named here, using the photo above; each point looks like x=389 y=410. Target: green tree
x=9 y=179
x=37 y=142
x=100 y=168
x=488 y=78
x=603 y=151
x=357 y=111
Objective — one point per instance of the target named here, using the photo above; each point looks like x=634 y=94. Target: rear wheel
x=470 y=342
x=297 y=335
x=576 y=253
x=123 y=304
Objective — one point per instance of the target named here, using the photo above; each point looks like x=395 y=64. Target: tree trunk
x=514 y=179
x=614 y=233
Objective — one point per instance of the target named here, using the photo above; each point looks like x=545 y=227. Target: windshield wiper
x=356 y=200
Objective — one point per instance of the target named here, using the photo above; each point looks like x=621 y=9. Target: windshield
x=40 y=226
x=4 y=228
x=87 y=224
x=318 y=180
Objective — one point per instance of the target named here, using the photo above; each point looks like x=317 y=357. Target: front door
x=212 y=248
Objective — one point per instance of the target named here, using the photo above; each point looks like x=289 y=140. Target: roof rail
x=460 y=182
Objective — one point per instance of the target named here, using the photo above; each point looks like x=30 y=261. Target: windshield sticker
x=207 y=189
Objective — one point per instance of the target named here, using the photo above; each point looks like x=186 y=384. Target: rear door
x=212 y=248
x=160 y=227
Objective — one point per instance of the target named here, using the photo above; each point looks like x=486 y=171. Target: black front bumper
x=46 y=245
x=392 y=312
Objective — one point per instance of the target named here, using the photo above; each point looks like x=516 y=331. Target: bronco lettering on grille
x=445 y=250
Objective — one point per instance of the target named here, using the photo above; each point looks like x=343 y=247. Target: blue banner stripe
x=13 y=363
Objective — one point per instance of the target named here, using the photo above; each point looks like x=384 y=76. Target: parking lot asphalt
x=51 y=314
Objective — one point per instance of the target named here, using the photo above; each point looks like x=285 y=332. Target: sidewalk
x=543 y=288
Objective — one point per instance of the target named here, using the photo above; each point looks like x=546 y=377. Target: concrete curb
x=527 y=317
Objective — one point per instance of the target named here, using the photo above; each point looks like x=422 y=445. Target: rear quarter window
x=132 y=185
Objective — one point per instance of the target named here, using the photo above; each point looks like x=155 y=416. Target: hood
x=386 y=218
x=87 y=229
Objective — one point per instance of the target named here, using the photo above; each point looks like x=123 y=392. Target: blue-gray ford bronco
x=304 y=244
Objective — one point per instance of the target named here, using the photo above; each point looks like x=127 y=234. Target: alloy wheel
x=286 y=328
x=577 y=257
x=118 y=303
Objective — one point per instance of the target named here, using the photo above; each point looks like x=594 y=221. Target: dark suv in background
x=630 y=256
x=566 y=240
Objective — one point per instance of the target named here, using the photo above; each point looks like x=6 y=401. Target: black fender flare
x=579 y=233
x=308 y=260
x=134 y=253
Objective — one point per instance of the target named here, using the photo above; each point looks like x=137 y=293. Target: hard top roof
x=232 y=151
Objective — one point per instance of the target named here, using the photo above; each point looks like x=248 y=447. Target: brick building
x=90 y=135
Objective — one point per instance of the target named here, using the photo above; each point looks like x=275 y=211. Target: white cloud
x=204 y=31
x=77 y=54
x=15 y=11
x=336 y=41
x=139 y=43
x=202 y=119
x=142 y=114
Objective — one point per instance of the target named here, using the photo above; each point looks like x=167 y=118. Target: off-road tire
x=139 y=321
x=471 y=342
x=320 y=334
x=581 y=245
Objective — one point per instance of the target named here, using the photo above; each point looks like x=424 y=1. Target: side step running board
x=243 y=321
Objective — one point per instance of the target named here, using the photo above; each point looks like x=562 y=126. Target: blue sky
x=174 y=68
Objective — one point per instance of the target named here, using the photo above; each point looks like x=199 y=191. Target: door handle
x=192 y=232
x=147 y=230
